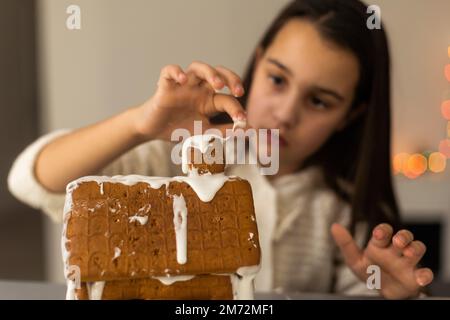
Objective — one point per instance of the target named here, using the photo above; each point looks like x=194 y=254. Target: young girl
x=320 y=77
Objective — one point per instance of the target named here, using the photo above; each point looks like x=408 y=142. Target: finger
x=381 y=236
x=414 y=252
x=402 y=239
x=207 y=73
x=228 y=104
x=225 y=129
x=171 y=73
x=424 y=276
x=344 y=240
x=233 y=81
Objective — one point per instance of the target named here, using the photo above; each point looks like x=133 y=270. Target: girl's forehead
x=307 y=54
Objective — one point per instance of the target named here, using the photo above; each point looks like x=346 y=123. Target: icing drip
x=242 y=282
x=200 y=142
x=206 y=186
x=95 y=290
x=70 y=293
x=180 y=224
x=170 y=280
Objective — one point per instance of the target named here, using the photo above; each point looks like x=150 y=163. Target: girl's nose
x=286 y=115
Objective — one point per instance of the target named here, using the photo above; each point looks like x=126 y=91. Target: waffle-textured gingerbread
x=201 y=287
x=107 y=240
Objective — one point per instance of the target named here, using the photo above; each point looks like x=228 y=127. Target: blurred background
x=52 y=77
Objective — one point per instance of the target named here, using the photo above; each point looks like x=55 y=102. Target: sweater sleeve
x=151 y=158
x=22 y=182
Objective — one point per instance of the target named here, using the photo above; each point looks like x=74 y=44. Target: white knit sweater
x=294 y=215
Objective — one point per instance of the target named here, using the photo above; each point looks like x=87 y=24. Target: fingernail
x=239 y=90
x=240 y=117
x=422 y=281
x=379 y=234
x=400 y=240
x=217 y=80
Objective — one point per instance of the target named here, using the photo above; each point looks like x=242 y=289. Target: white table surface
x=29 y=290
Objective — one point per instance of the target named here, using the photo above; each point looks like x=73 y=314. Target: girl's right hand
x=182 y=97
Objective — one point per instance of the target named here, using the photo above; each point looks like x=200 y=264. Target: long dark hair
x=355 y=160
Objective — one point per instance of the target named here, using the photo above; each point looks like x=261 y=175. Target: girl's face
x=304 y=86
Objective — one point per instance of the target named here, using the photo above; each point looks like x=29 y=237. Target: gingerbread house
x=139 y=237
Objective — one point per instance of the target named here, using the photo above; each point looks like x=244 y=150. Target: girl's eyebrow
x=280 y=65
x=320 y=89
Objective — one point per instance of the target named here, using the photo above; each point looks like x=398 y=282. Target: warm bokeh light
x=417 y=164
x=413 y=166
x=437 y=162
x=447 y=72
x=399 y=163
x=445 y=109
x=444 y=147
x=410 y=175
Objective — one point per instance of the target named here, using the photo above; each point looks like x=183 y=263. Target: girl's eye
x=318 y=103
x=276 y=80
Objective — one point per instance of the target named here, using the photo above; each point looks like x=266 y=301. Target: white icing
x=172 y=279
x=101 y=189
x=239 y=124
x=141 y=219
x=65 y=254
x=129 y=180
x=242 y=282
x=201 y=142
x=117 y=253
x=70 y=293
x=95 y=290
x=180 y=224
x=206 y=186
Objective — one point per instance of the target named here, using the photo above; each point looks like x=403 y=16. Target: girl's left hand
x=397 y=257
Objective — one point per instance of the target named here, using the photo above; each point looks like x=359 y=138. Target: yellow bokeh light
x=445 y=109
x=437 y=162
x=417 y=164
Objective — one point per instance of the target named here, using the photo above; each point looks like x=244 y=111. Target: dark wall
x=21 y=237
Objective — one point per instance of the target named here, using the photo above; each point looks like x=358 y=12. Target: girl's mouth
x=282 y=141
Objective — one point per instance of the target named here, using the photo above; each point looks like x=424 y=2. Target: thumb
x=344 y=240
